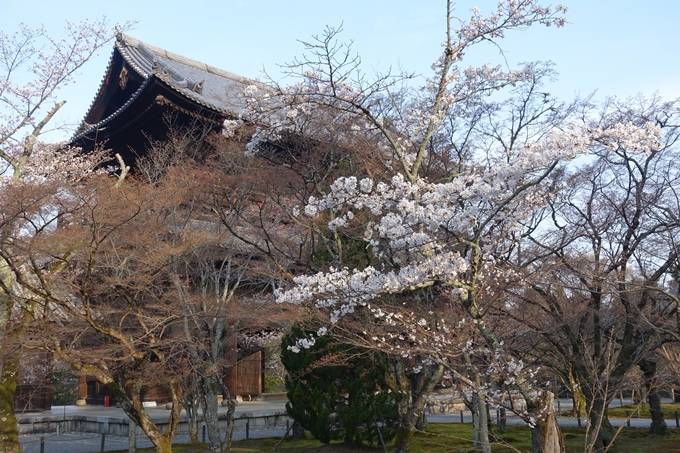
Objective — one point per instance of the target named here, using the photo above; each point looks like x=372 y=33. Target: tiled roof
x=210 y=87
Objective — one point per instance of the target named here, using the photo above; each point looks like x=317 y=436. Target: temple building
x=142 y=86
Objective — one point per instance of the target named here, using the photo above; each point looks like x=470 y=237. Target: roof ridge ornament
x=161 y=71
x=198 y=87
x=123 y=78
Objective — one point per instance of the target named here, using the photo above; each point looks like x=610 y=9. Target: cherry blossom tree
x=424 y=236
x=33 y=66
x=461 y=178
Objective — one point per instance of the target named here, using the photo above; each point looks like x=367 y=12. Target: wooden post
x=42 y=444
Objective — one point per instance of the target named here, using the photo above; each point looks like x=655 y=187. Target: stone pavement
x=85 y=443
x=92 y=442
x=161 y=411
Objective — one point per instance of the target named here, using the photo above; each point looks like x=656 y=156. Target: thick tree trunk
x=410 y=404
x=602 y=431
x=658 y=422
x=406 y=428
x=577 y=395
x=658 y=426
x=160 y=440
x=9 y=368
x=9 y=434
x=211 y=386
x=192 y=420
x=226 y=447
x=546 y=436
x=416 y=389
x=134 y=408
x=210 y=389
x=190 y=404
x=132 y=437
x=480 y=422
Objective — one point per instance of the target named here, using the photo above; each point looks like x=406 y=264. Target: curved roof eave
x=121 y=109
x=220 y=95
x=84 y=125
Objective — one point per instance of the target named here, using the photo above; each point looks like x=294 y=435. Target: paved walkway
x=161 y=411
x=85 y=443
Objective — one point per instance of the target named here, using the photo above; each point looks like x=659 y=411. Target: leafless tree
x=602 y=300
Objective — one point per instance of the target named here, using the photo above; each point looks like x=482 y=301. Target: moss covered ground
x=440 y=438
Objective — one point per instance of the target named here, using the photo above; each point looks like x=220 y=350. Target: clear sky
x=617 y=47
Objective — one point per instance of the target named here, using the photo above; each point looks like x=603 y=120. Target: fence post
x=42 y=444
x=203 y=434
x=247 y=428
x=628 y=419
x=677 y=420
x=578 y=418
x=461 y=416
x=103 y=441
x=559 y=407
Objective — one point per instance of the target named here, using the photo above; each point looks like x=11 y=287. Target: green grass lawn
x=457 y=438
x=620 y=412
x=668 y=410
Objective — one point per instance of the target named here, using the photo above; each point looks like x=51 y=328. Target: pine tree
x=336 y=391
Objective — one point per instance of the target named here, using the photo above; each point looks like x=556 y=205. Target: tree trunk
x=226 y=447
x=602 y=431
x=9 y=369
x=658 y=422
x=132 y=437
x=192 y=420
x=410 y=404
x=658 y=426
x=298 y=431
x=9 y=434
x=210 y=389
x=190 y=404
x=577 y=395
x=416 y=388
x=480 y=423
x=546 y=436
x=134 y=408
x=405 y=428
x=163 y=445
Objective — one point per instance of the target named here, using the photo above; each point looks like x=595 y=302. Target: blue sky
x=618 y=48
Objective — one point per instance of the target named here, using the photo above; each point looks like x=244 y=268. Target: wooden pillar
x=230 y=355
x=263 y=365
x=82 y=386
